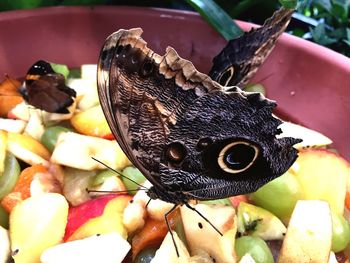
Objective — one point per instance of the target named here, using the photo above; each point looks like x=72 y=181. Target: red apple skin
x=78 y=215
x=236 y=200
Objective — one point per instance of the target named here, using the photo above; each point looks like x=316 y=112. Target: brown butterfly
x=46 y=90
x=191 y=137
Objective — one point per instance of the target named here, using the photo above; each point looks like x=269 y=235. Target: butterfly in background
x=191 y=137
x=46 y=90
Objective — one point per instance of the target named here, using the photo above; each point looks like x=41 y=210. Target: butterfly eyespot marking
x=237 y=157
x=203 y=144
x=147 y=68
x=175 y=152
x=226 y=76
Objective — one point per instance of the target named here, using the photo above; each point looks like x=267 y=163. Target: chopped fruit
x=4 y=245
x=4 y=218
x=97 y=216
x=27 y=149
x=311 y=138
x=3 y=143
x=257 y=221
x=309 y=234
x=236 y=200
x=134 y=216
x=86 y=90
x=10 y=175
x=255 y=247
x=9 y=95
x=21 y=190
x=106 y=248
x=104 y=181
x=279 y=196
x=201 y=235
x=167 y=252
x=157 y=208
x=75 y=184
x=50 y=136
x=46 y=215
x=322 y=175
x=35 y=126
x=153 y=233
x=89 y=71
x=223 y=201
x=341 y=233
x=16 y=126
x=91 y=122
x=76 y=150
x=131 y=175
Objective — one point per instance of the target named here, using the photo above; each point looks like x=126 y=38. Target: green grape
x=254 y=246
x=146 y=255
x=224 y=201
x=4 y=218
x=341 y=233
x=279 y=196
x=102 y=176
x=10 y=175
x=135 y=175
x=49 y=138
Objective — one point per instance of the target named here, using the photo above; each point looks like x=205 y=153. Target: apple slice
x=27 y=149
x=167 y=252
x=322 y=175
x=36 y=224
x=3 y=143
x=10 y=125
x=311 y=138
x=4 y=245
x=76 y=150
x=86 y=90
x=106 y=248
x=97 y=216
x=35 y=126
x=309 y=234
x=256 y=221
x=92 y=122
x=201 y=235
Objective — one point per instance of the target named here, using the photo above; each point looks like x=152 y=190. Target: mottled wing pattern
x=241 y=57
x=142 y=95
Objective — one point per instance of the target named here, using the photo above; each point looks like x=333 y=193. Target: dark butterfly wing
x=142 y=94
x=46 y=90
x=241 y=57
x=187 y=134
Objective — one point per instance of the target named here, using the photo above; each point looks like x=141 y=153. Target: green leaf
x=217 y=18
x=325 y=4
x=289 y=3
x=60 y=68
x=320 y=35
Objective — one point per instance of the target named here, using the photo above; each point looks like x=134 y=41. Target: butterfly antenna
x=112 y=192
x=120 y=174
x=148 y=202
x=169 y=228
x=202 y=216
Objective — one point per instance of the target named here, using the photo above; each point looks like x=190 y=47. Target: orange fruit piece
x=21 y=191
x=9 y=95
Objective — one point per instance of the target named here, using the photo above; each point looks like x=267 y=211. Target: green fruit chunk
x=254 y=246
x=255 y=88
x=50 y=136
x=279 y=196
x=146 y=255
x=257 y=221
x=340 y=233
x=4 y=218
x=133 y=174
x=224 y=201
x=101 y=177
x=60 y=68
x=10 y=175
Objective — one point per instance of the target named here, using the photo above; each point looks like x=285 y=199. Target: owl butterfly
x=191 y=137
x=46 y=90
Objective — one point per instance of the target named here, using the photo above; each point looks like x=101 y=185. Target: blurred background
x=325 y=22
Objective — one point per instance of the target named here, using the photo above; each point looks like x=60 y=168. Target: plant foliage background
x=325 y=22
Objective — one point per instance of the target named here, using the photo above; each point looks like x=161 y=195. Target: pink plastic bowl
x=310 y=83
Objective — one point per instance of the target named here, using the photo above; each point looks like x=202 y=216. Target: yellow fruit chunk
x=36 y=224
x=309 y=234
x=3 y=142
x=110 y=221
x=92 y=122
x=322 y=175
x=27 y=149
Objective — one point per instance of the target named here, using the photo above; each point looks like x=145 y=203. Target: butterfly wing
x=185 y=132
x=241 y=57
x=142 y=94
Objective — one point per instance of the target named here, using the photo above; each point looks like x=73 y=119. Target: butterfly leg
x=202 y=216
x=169 y=228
